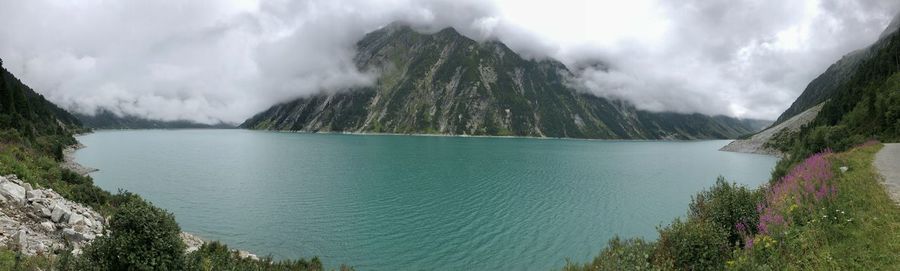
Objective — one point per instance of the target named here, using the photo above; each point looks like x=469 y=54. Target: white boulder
x=34 y=194
x=12 y=191
x=60 y=213
x=76 y=219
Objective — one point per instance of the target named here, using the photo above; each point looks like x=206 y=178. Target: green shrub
x=692 y=245
x=217 y=256
x=630 y=254
x=726 y=205
x=143 y=237
x=836 y=137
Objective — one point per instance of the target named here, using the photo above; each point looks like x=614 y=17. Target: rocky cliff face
x=445 y=83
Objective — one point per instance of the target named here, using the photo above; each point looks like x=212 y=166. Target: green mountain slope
x=445 y=83
x=837 y=76
x=29 y=113
x=865 y=105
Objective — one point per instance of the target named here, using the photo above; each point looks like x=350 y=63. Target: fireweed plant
x=804 y=197
x=804 y=189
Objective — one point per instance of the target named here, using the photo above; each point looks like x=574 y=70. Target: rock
x=56 y=247
x=844 y=169
x=56 y=215
x=76 y=252
x=245 y=255
x=34 y=194
x=48 y=226
x=80 y=228
x=73 y=236
x=45 y=213
x=12 y=191
x=76 y=219
x=36 y=207
x=45 y=221
x=40 y=248
x=191 y=242
x=21 y=240
x=60 y=213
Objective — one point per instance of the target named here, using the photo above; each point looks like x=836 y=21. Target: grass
x=872 y=240
x=859 y=229
x=33 y=163
x=8 y=262
x=855 y=227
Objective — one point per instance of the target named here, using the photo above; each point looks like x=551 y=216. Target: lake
x=383 y=202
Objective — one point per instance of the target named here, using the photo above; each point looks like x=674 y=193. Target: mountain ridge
x=445 y=83
x=25 y=110
x=827 y=84
x=105 y=119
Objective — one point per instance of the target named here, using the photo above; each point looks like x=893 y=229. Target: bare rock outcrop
x=38 y=221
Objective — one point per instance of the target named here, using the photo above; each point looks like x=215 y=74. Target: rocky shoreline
x=38 y=221
x=192 y=242
x=69 y=161
x=758 y=143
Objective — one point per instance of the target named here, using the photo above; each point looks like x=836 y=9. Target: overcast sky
x=215 y=60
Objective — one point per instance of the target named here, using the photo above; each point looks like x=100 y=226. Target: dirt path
x=887 y=161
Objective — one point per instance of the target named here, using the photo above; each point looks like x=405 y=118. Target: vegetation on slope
x=811 y=215
x=866 y=106
x=446 y=83
x=828 y=84
x=815 y=218
x=33 y=133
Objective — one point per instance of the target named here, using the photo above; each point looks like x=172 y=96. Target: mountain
x=445 y=83
x=27 y=112
x=856 y=99
x=827 y=84
x=104 y=119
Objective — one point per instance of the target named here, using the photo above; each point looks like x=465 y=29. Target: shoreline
x=70 y=163
x=192 y=242
x=431 y=135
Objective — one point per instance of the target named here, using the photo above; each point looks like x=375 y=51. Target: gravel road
x=887 y=161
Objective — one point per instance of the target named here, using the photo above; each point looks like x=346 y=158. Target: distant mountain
x=26 y=111
x=104 y=119
x=445 y=83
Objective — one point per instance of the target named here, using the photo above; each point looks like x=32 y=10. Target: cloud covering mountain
x=211 y=61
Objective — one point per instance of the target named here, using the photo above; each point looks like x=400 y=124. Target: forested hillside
x=26 y=111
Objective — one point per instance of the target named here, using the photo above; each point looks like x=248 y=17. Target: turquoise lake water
x=413 y=202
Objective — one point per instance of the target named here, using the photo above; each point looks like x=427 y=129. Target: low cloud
x=739 y=58
x=211 y=61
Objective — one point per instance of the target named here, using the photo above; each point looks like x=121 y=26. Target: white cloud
x=210 y=61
